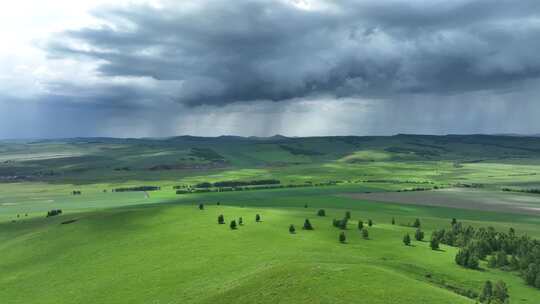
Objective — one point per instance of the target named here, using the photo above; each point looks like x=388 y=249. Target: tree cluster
x=494 y=294
x=139 y=188
x=503 y=250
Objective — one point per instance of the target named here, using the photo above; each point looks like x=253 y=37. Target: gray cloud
x=218 y=52
x=264 y=67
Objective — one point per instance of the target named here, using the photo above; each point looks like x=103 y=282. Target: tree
x=342 y=237
x=292 y=230
x=502 y=259
x=218 y=203
x=233 y=224
x=221 y=219
x=201 y=206
x=416 y=223
x=257 y=218
x=434 y=243
x=419 y=235
x=393 y=221
x=492 y=262
x=467 y=257
x=454 y=221
x=360 y=225
x=305 y=206
x=307 y=225
x=240 y=221
x=348 y=215
x=321 y=212
x=531 y=274
x=500 y=292
x=343 y=224
x=365 y=234
x=370 y=223
x=407 y=240
x=487 y=292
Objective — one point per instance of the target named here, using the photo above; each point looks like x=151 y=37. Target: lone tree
x=407 y=240
x=419 y=235
x=434 y=243
x=233 y=224
x=342 y=237
x=292 y=230
x=370 y=223
x=393 y=221
x=500 y=292
x=240 y=221
x=257 y=218
x=416 y=223
x=348 y=215
x=360 y=225
x=221 y=219
x=321 y=212
x=307 y=225
x=201 y=206
x=343 y=224
x=365 y=234
x=487 y=292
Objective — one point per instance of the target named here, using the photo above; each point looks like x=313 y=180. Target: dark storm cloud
x=219 y=52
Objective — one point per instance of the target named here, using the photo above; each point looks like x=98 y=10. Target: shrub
x=416 y=223
x=348 y=215
x=370 y=223
x=307 y=225
x=292 y=230
x=393 y=221
x=233 y=224
x=305 y=206
x=201 y=206
x=407 y=240
x=321 y=212
x=257 y=218
x=221 y=219
x=342 y=237
x=360 y=225
x=240 y=221
x=419 y=235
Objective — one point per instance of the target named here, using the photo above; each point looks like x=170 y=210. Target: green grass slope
x=179 y=254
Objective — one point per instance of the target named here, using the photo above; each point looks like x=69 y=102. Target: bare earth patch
x=472 y=199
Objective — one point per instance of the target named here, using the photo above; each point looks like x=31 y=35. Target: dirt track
x=460 y=198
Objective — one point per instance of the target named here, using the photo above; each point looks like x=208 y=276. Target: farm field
x=112 y=245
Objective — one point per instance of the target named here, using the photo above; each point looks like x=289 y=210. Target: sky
x=156 y=68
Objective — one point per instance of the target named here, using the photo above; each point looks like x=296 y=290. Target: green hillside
x=158 y=247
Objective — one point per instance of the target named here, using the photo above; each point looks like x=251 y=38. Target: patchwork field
x=461 y=198
x=115 y=246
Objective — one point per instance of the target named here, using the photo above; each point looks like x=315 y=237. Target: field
x=159 y=247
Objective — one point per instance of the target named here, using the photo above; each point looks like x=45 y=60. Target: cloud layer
x=218 y=53
x=298 y=67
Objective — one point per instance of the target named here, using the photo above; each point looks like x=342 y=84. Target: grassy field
x=158 y=247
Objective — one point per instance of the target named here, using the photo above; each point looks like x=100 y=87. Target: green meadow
x=160 y=247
